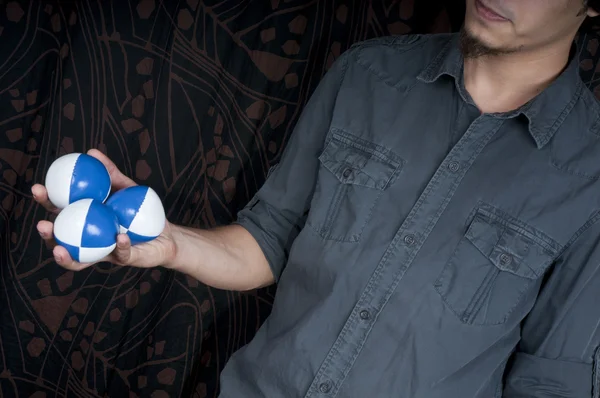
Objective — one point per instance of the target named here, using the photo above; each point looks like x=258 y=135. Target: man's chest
x=425 y=193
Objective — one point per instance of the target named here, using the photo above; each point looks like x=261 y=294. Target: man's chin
x=472 y=46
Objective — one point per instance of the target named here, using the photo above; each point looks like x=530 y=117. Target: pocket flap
x=508 y=246
x=356 y=161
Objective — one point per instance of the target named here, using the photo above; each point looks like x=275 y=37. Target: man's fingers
x=40 y=195
x=118 y=179
x=122 y=253
x=138 y=256
x=45 y=230
x=62 y=258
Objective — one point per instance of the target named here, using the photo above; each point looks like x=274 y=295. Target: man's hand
x=227 y=257
x=160 y=251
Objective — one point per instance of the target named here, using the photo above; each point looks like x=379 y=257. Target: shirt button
x=409 y=240
x=347 y=173
x=364 y=314
x=453 y=166
x=325 y=387
x=505 y=259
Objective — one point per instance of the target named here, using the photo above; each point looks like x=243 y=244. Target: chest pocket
x=493 y=267
x=353 y=173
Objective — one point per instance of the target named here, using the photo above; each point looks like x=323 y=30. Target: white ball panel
x=69 y=224
x=58 y=179
x=93 y=254
x=153 y=221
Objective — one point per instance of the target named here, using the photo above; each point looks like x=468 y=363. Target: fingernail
x=57 y=259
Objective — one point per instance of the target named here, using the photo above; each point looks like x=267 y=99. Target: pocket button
x=325 y=387
x=409 y=240
x=454 y=166
x=347 y=173
x=505 y=259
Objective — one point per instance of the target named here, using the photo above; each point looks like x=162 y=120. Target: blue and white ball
x=88 y=230
x=76 y=176
x=140 y=213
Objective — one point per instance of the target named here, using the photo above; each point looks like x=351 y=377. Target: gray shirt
x=423 y=249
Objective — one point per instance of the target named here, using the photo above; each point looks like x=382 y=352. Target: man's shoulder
x=405 y=41
x=395 y=58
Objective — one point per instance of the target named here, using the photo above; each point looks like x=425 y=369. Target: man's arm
x=277 y=213
x=253 y=251
x=559 y=352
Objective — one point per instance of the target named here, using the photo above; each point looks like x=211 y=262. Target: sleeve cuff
x=274 y=258
x=535 y=377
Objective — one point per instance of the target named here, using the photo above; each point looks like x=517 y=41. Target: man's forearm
x=226 y=257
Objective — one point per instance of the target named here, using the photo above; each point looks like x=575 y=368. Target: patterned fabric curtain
x=196 y=99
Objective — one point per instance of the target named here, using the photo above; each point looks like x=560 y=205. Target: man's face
x=504 y=26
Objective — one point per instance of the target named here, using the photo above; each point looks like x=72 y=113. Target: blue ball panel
x=101 y=226
x=73 y=250
x=137 y=239
x=126 y=203
x=90 y=180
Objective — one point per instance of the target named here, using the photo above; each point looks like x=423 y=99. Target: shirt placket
x=399 y=256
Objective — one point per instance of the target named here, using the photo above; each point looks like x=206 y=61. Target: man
x=433 y=226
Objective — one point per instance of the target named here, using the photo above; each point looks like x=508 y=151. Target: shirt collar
x=545 y=113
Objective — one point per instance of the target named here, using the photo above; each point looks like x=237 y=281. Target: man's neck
x=505 y=82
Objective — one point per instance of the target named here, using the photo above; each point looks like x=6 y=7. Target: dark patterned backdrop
x=194 y=98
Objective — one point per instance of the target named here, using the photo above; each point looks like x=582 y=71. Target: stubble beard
x=473 y=47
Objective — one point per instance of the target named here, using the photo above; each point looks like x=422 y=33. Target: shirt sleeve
x=558 y=355
x=277 y=212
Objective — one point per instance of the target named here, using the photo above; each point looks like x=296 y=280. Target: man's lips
x=487 y=13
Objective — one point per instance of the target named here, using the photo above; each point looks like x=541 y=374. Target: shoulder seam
x=388 y=41
x=401 y=44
